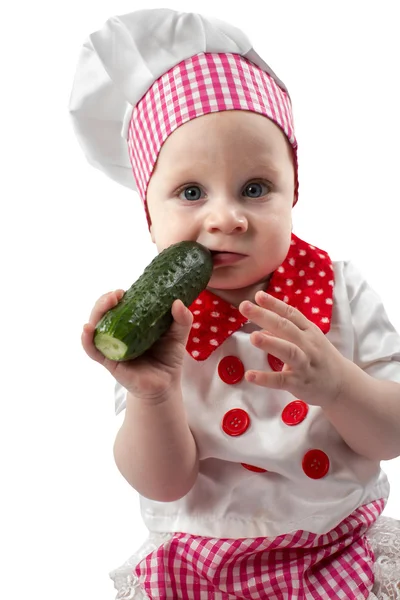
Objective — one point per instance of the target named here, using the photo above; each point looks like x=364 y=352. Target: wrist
x=351 y=377
x=155 y=398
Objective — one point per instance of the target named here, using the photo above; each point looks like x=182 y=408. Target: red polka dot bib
x=304 y=280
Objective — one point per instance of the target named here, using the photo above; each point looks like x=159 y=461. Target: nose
x=227 y=218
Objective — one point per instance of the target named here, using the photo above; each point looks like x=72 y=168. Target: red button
x=315 y=464
x=295 y=412
x=235 y=422
x=231 y=369
x=255 y=469
x=275 y=363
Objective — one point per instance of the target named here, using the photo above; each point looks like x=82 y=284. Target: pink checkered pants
x=300 y=565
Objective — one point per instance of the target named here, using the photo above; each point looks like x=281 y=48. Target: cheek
x=166 y=230
x=277 y=223
x=275 y=236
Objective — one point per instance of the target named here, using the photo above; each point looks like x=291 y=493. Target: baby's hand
x=153 y=374
x=313 y=370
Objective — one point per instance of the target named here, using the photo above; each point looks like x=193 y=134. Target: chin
x=224 y=282
x=235 y=283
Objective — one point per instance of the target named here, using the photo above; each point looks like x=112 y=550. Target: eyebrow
x=259 y=166
x=183 y=171
x=265 y=165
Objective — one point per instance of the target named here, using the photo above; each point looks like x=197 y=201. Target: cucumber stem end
x=109 y=346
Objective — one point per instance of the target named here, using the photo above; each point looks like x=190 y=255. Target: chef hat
x=123 y=66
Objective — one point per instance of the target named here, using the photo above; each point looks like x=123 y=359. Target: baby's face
x=226 y=180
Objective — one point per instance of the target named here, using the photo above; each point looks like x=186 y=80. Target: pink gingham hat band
x=199 y=85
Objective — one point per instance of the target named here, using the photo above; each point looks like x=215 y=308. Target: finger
x=103 y=304
x=88 y=343
x=93 y=353
x=288 y=353
x=183 y=320
x=282 y=309
x=276 y=381
x=267 y=319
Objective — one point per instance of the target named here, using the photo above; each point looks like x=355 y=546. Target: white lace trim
x=384 y=537
x=125 y=581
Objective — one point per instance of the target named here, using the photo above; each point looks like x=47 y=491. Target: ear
x=153 y=239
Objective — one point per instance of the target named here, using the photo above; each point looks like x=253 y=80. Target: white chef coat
x=229 y=500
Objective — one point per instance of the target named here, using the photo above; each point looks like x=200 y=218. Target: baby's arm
x=155 y=450
x=367 y=414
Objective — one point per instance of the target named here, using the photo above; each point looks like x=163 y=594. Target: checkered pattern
x=300 y=565
x=202 y=84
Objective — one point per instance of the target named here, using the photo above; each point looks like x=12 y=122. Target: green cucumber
x=143 y=314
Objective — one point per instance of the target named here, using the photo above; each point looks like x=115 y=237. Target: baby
x=254 y=428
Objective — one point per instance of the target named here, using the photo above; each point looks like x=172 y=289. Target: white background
x=69 y=234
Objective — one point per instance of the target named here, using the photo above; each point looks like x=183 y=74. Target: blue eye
x=254 y=190
x=193 y=192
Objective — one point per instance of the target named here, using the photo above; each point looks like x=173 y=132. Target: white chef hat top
x=121 y=61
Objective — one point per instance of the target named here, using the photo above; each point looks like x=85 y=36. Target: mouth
x=225 y=258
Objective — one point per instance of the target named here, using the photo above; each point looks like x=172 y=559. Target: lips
x=224 y=252
x=224 y=258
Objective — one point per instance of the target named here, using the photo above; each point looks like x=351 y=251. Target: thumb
x=183 y=320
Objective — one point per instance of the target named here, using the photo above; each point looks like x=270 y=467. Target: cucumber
x=143 y=314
